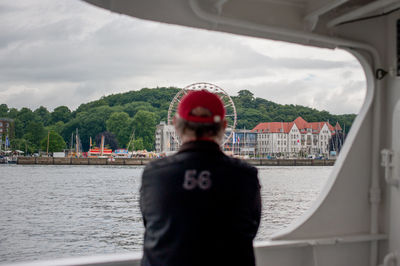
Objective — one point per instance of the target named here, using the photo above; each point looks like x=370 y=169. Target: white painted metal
x=359 y=12
x=390 y=260
x=318 y=8
x=267 y=248
x=387 y=163
x=125 y=259
x=392 y=7
x=393 y=257
x=349 y=224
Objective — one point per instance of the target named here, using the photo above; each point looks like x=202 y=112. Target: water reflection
x=63 y=211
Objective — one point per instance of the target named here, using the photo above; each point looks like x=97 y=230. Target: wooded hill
x=120 y=114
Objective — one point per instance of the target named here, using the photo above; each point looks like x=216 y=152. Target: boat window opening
x=296 y=102
x=398 y=47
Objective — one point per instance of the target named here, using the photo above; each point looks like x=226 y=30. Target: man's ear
x=174 y=122
x=225 y=124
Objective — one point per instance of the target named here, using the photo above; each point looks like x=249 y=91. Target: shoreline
x=144 y=161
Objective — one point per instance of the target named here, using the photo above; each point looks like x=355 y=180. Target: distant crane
x=131 y=140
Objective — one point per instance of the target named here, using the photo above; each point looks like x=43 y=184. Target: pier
x=144 y=161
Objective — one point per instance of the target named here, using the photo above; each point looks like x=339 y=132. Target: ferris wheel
x=230 y=108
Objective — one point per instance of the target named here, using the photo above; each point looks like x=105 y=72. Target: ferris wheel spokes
x=225 y=98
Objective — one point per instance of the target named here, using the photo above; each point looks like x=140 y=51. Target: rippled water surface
x=63 y=211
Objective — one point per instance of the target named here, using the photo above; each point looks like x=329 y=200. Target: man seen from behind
x=199 y=206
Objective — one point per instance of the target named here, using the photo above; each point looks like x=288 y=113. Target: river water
x=64 y=211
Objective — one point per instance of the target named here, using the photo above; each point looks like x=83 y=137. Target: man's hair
x=199 y=129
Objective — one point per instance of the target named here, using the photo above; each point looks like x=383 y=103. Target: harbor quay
x=144 y=161
x=82 y=161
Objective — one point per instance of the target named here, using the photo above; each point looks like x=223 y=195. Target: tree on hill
x=3 y=110
x=120 y=125
x=22 y=145
x=84 y=107
x=93 y=117
x=34 y=133
x=56 y=142
x=251 y=111
x=26 y=116
x=44 y=115
x=156 y=97
x=132 y=108
x=138 y=144
x=246 y=99
x=144 y=124
x=88 y=123
x=69 y=129
x=61 y=113
x=57 y=127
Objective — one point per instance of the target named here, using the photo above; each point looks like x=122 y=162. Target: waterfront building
x=294 y=139
x=166 y=138
x=6 y=131
x=242 y=143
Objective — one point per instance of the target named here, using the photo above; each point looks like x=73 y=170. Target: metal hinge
x=387 y=163
x=380 y=73
x=390 y=259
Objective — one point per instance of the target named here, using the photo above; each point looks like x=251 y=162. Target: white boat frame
x=355 y=220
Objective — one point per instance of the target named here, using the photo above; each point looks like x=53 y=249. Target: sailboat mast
x=344 y=132
x=102 y=145
x=131 y=139
x=77 y=143
x=337 y=140
x=48 y=140
x=71 y=144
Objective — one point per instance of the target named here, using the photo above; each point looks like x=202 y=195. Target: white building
x=242 y=143
x=292 y=139
x=6 y=131
x=166 y=138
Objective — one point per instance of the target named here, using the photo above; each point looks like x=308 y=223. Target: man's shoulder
x=162 y=162
x=240 y=164
x=221 y=158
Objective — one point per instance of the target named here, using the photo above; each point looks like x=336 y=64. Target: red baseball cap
x=204 y=99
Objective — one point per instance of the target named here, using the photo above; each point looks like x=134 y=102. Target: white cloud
x=68 y=52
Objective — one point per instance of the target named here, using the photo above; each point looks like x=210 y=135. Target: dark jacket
x=199 y=207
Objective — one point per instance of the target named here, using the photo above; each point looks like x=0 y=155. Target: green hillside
x=139 y=111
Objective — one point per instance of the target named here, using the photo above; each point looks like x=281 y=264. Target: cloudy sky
x=66 y=52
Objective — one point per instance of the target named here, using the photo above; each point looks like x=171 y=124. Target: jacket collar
x=200 y=145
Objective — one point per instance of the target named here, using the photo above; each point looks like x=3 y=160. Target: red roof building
x=292 y=138
x=302 y=125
